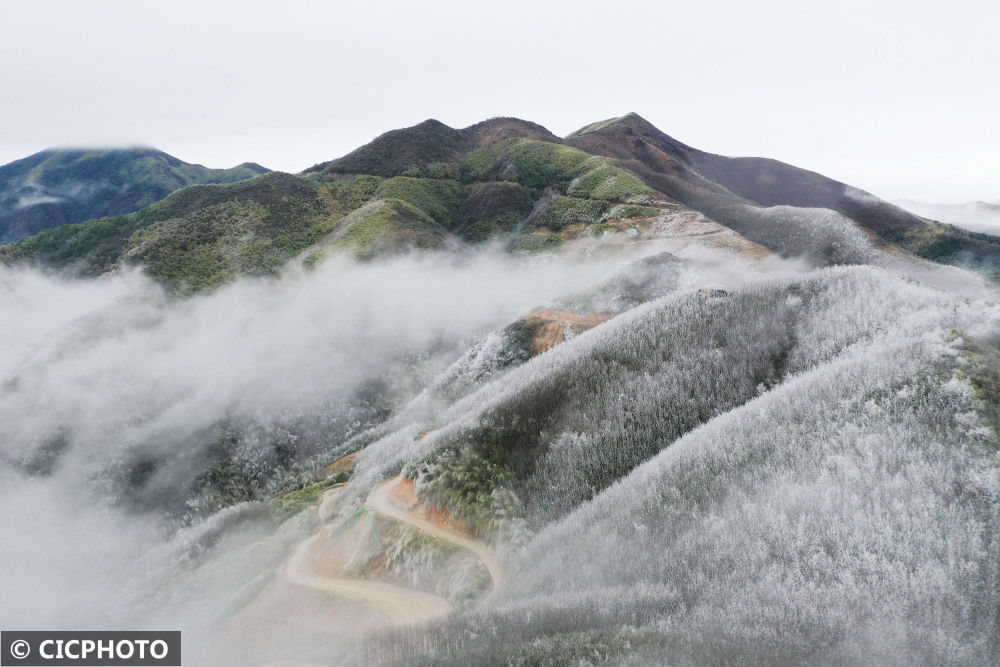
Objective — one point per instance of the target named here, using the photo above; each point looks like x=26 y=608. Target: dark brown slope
x=667 y=165
x=763 y=181
x=739 y=192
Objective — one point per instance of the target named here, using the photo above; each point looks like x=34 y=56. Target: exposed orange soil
x=442 y=518
x=380 y=499
x=552 y=326
x=343 y=464
x=405 y=493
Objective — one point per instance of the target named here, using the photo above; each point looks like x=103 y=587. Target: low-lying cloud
x=106 y=367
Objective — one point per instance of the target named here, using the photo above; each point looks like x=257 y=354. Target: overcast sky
x=898 y=98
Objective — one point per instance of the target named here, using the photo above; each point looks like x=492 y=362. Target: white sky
x=899 y=98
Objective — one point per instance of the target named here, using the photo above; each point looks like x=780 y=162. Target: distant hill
x=977 y=216
x=59 y=187
x=503 y=180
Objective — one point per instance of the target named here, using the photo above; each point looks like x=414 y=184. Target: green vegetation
x=600 y=229
x=436 y=181
x=948 y=244
x=567 y=210
x=604 y=179
x=470 y=483
x=602 y=125
x=89 y=248
x=389 y=226
x=532 y=163
x=225 y=481
x=446 y=171
x=412 y=545
x=520 y=338
x=289 y=504
x=59 y=187
x=203 y=236
x=492 y=208
x=350 y=193
x=145 y=166
x=398 y=151
x=439 y=199
x=535 y=242
x=203 y=250
x=982 y=368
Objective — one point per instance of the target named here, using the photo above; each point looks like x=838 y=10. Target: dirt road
x=399 y=606
x=380 y=499
x=328 y=502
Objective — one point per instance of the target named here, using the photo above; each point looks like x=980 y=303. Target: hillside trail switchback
x=399 y=606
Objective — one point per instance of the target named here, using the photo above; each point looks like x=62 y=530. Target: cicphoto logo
x=39 y=648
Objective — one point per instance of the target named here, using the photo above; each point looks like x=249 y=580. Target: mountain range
x=425 y=186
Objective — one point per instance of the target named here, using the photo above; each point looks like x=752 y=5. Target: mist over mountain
x=64 y=186
x=492 y=396
x=979 y=216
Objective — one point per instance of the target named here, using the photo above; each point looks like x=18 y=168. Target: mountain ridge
x=511 y=180
x=429 y=141
x=60 y=186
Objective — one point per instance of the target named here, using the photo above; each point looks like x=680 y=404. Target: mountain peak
x=431 y=124
x=494 y=130
x=631 y=119
x=624 y=130
x=253 y=166
x=390 y=153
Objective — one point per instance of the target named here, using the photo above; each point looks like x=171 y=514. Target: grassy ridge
x=439 y=199
x=390 y=225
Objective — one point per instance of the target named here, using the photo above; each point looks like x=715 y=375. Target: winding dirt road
x=328 y=502
x=397 y=605
x=380 y=499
